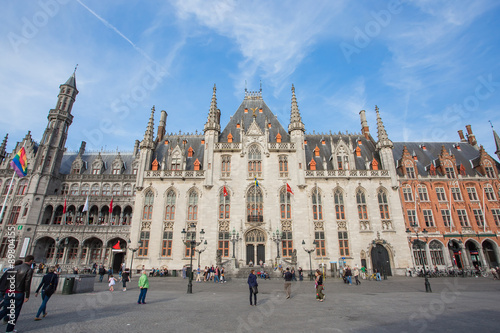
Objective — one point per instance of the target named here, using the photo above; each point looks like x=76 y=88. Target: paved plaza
x=398 y=304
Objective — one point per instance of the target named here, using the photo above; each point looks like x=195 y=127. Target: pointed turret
x=497 y=142
x=147 y=142
x=213 y=120
x=383 y=138
x=384 y=148
x=3 y=147
x=295 y=119
x=71 y=81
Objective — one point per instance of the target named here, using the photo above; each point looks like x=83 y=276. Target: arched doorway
x=474 y=253
x=118 y=250
x=381 y=260
x=490 y=253
x=455 y=253
x=44 y=250
x=255 y=240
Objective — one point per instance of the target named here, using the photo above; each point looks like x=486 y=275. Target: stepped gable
x=254 y=101
x=88 y=158
x=332 y=141
x=163 y=149
x=467 y=156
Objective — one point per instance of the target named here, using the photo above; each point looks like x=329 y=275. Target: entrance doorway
x=256 y=249
x=489 y=253
x=380 y=259
x=117 y=261
x=456 y=253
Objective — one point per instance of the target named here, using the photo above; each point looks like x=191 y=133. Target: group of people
x=212 y=273
x=348 y=273
x=158 y=272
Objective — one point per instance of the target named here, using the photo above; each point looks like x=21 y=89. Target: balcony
x=171 y=174
x=255 y=218
x=347 y=173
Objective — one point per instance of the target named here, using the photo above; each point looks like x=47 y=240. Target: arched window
x=255 y=204
x=148 y=206
x=226 y=166
x=339 y=205
x=316 y=204
x=94 y=190
x=193 y=206
x=170 y=206
x=85 y=189
x=361 y=202
x=116 y=190
x=21 y=188
x=254 y=162
x=106 y=190
x=65 y=189
x=74 y=189
x=383 y=205
x=6 y=188
x=436 y=249
x=285 y=205
x=127 y=190
x=224 y=204
x=283 y=163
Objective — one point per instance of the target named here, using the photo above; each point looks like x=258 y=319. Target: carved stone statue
x=294 y=257
x=219 y=258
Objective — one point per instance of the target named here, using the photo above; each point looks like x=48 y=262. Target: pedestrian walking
x=48 y=285
x=198 y=274
x=252 y=285
x=363 y=272
x=111 y=282
x=319 y=286
x=301 y=274
x=356 y=274
x=216 y=274
x=222 y=278
x=102 y=271
x=125 y=278
x=378 y=275
x=294 y=277
x=348 y=275
x=184 y=272
x=21 y=276
x=288 y=282
x=144 y=286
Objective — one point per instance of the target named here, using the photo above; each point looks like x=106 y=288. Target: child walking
x=112 y=282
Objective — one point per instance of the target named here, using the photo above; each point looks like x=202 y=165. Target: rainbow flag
x=20 y=163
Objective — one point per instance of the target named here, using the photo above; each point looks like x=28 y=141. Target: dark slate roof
x=88 y=158
x=71 y=81
x=367 y=149
x=240 y=114
x=192 y=140
x=467 y=156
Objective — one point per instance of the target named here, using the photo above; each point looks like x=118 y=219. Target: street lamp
x=189 y=238
x=235 y=237
x=59 y=245
x=277 y=239
x=420 y=243
x=133 y=252
x=201 y=251
x=309 y=251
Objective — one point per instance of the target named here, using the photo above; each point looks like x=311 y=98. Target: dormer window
x=490 y=172
x=410 y=172
x=190 y=151
x=96 y=171
x=229 y=138
x=450 y=172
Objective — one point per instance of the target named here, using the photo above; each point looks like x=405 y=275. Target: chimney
x=161 y=126
x=82 y=148
x=471 y=137
x=365 y=130
x=136 y=147
x=461 y=135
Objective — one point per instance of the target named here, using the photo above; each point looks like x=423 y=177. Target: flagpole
x=7 y=196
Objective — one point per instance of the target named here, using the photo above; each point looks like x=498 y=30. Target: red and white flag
x=225 y=191
x=111 y=206
x=64 y=207
x=288 y=188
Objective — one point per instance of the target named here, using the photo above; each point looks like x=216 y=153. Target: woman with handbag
x=252 y=284
x=48 y=286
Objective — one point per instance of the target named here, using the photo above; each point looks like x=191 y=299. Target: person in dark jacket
x=50 y=278
x=18 y=290
x=125 y=278
x=102 y=271
x=252 y=282
x=288 y=282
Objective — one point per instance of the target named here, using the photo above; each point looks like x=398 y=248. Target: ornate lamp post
x=133 y=249
x=309 y=251
x=235 y=237
x=277 y=239
x=201 y=251
x=421 y=244
x=190 y=240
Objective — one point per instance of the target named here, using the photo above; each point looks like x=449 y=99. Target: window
x=74 y=189
x=4 y=247
x=440 y=194
x=343 y=244
x=410 y=172
x=85 y=190
x=224 y=244
x=94 y=190
x=490 y=173
x=170 y=206
x=147 y=214
x=224 y=205
x=436 y=251
x=319 y=239
x=65 y=189
x=176 y=162
x=422 y=194
x=361 y=201
x=72 y=251
x=226 y=166
x=407 y=194
x=21 y=188
x=412 y=218
x=14 y=214
x=95 y=254
x=190 y=235
x=450 y=172
x=339 y=205
x=342 y=159
x=478 y=215
x=445 y=214
x=316 y=203
x=6 y=188
x=106 y=190
x=285 y=205
x=287 y=244
x=496 y=216
x=490 y=194
x=75 y=170
x=471 y=191
x=455 y=192
x=144 y=244
x=383 y=205
x=462 y=217
x=96 y=171
x=255 y=205
x=127 y=190
x=420 y=256
x=254 y=162
x=193 y=206
x=428 y=218
x=116 y=190
x=283 y=164
x=166 y=247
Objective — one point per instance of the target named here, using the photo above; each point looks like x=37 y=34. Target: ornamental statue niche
x=294 y=257
x=219 y=258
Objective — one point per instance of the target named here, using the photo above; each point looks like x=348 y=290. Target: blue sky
x=431 y=66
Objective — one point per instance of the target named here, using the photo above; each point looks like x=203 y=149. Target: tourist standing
x=348 y=275
x=301 y=274
x=102 y=271
x=356 y=274
x=222 y=278
x=319 y=286
x=288 y=282
x=198 y=274
x=363 y=272
x=144 y=286
x=125 y=278
x=48 y=286
x=378 y=275
x=252 y=285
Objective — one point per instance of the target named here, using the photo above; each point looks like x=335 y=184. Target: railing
x=346 y=173
x=174 y=174
x=57 y=228
x=281 y=146
x=227 y=146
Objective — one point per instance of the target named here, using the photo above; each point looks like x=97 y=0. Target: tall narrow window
x=147 y=214
x=94 y=190
x=193 y=206
x=436 y=250
x=287 y=244
x=224 y=204
x=166 y=246
x=478 y=215
x=420 y=256
x=170 y=206
x=255 y=204
x=462 y=217
x=361 y=202
x=412 y=218
x=127 y=190
x=190 y=235
x=450 y=172
x=65 y=189
x=14 y=214
x=85 y=189
x=224 y=244
x=490 y=194
x=339 y=205
x=343 y=244
x=226 y=166
x=106 y=190
x=407 y=194
x=254 y=162
x=455 y=192
x=383 y=205
x=490 y=172
x=316 y=204
x=496 y=216
x=285 y=205
x=445 y=214
x=410 y=172
x=428 y=218
x=6 y=188
x=422 y=194
x=471 y=191
x=116 y=190
x=144 y=244
x=319 y=239
x=74 y=189
x=21 y=188
x=441 y=196
x=283 y=165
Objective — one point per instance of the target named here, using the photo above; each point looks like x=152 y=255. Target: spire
x=495 y=136
x=213 y=120
x=383 y=138
x=295 y=119
x=72 y=80
x=3 y=147
x=147 y=142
